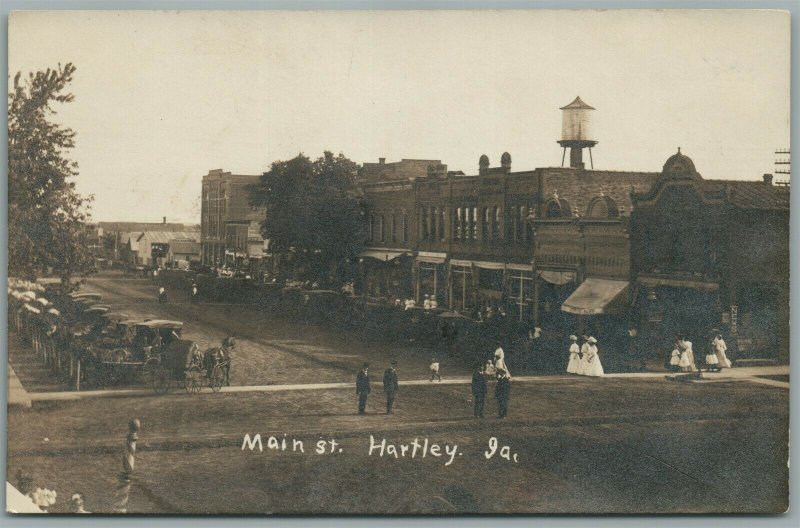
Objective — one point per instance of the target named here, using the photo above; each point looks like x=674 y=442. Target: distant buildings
x=229 y=226
x=143 y=243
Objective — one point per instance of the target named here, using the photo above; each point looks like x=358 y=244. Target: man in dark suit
x=502 y=391
x=362 y=388
x=478 y=390
x=390 y=386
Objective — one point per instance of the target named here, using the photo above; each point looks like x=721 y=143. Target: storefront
x=431 y=277
x=386 y=274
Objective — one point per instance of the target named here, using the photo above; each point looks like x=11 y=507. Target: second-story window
x=393 y=227
x=381 y=229
x=496 y=224
x=442 y=221
x=459 y=227
x=405 y=227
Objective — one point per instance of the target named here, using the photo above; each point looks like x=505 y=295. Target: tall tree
x=314 y=215
x=46 y=216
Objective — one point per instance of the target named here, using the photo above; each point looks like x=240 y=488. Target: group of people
x=194 y=293
x=682 y=357
x=584 y=360
x=493 y=369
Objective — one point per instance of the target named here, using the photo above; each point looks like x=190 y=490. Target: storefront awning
x=382 y=254
x=559 y=278
x=597 y=296
x=431 y=257
x=490 y=265
x=519 y=267
x=677 y=282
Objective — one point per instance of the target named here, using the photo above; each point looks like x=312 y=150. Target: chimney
x=381 y=160
x=164 y=220
x=768 y=179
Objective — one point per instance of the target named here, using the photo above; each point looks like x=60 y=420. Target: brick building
x=712 y=254
x=229 y=226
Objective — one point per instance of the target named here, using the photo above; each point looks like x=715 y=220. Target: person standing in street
x=194 y=293
x=390 y=386
x=502 y=392
x=363 y=388
x=162 y=295
x=583 y=356
x=478 y=390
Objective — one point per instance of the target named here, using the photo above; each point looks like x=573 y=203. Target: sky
x=161 y=98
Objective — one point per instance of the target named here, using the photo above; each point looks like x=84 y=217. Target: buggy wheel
x=216 y=378
x=192 y=381
x=161 y=379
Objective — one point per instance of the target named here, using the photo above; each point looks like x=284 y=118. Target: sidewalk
x=751 y=374
x=17 y=395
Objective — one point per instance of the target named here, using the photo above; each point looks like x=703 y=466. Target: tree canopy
x=46 y=216
x=313 y=215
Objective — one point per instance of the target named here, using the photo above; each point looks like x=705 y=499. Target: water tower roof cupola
x=505 y=160
x=679 y=165
x=578 y=103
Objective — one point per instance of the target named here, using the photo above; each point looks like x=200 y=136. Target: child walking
x=435 y=370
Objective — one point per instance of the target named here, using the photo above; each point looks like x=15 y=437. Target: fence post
x=128 y=461
x=78 y=376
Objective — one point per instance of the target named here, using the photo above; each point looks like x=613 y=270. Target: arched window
x=496 y=224
x=485 y=221
x=393 y=227
x=603 y=207
x=553 y=209
x=459 y=223
x=474 y=225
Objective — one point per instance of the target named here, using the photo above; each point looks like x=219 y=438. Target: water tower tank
x=576 y=121
x=576 y=132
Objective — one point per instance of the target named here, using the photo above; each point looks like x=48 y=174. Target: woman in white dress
x=582 y=359
x=720 y=348
x=687 y=356
x=593 y=367
x=574 y=355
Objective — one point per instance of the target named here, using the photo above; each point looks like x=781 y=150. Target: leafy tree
x=313 y=216
x=46 y=216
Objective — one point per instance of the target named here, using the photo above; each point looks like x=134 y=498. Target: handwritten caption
x=416 y=449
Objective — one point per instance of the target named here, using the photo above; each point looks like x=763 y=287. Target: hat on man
x=573 y=338
x=592 y=340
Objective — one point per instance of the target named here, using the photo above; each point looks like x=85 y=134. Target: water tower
x=576 y=132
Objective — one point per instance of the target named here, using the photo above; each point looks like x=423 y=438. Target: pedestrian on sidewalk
x=574 y=355
x=583 y=355
x=687 y=363
x=720 y=349
x=478 y=390
x=592 y=358
x=675 y=357
x=435 y=370
x=363 y=388
x=502 y=392
x=195 y=293
x=500 y=360
x=162 y=295
x=390 y=386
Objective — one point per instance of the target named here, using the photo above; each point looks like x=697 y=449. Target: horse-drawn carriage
x=174 y=360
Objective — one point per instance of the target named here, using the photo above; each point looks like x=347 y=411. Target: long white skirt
x=593 y=367
x=723 y=359
x=574 y=363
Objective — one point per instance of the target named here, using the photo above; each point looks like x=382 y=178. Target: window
x=381 y=229
x=474 y=224
x=434 y=215
x=442 y=220
x=496 y=224
x=459 y=223
x=393 y=227
x=603 y=207
x=405 y=227
x=553 y=209
x=485 y=220
x=371 y=227
x=423 y=225
x=521 y=293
